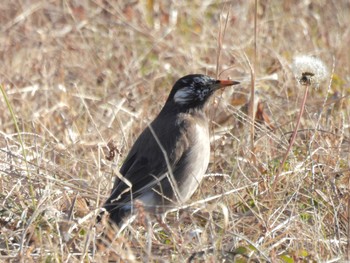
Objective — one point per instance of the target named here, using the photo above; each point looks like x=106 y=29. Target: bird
x=168 y=160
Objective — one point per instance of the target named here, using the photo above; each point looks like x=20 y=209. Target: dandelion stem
x=292 y=140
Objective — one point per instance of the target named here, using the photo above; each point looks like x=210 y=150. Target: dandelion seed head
x=309 y=70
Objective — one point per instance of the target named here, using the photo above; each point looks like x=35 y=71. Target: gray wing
x=145 y=166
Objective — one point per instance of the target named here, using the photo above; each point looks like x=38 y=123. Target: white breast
x=199 y=157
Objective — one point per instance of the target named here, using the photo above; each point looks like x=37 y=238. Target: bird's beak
x=224 y=83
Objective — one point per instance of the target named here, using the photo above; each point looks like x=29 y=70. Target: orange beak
x=227 y=82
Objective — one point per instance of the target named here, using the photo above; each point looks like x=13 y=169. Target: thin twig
x=252 y=90
x=220 y=40
x=21 y=142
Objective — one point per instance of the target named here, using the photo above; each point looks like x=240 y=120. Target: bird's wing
x=146 y=165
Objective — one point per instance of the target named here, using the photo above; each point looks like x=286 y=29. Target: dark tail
x=116 y=213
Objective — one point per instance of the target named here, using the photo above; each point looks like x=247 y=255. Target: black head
x=192 y=91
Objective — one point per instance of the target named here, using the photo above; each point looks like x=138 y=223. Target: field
x=81 y=79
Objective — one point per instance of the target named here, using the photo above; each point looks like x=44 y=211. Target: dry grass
x=78 y=74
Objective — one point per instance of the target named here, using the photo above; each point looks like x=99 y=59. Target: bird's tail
x=116 y=213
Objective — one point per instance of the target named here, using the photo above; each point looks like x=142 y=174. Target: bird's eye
x=202 y=93
x=205 y=92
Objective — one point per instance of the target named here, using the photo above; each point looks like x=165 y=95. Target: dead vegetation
x=79 y=76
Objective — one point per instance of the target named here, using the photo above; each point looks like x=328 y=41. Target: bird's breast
x=198 y=160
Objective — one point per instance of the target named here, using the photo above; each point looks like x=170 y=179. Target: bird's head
x=192 y=91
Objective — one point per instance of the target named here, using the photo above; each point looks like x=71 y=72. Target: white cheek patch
x=183 y=96
x=188 y=94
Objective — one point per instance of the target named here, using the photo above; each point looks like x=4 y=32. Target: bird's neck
x=175 y=109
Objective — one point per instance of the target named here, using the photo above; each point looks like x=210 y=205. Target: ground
x=81 y=79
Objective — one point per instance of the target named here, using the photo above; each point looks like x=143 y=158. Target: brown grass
x=79 y=74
